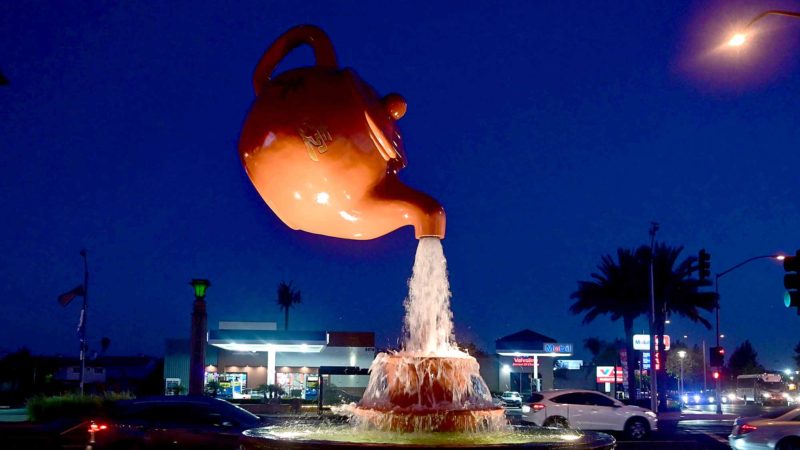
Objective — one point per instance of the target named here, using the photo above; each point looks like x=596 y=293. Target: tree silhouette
x=744 y=360
x=287 y=297
x=616 y=290
x=621 y=290
x=797 y=355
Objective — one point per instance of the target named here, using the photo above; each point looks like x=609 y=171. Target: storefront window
x=292 y=384
x=229 y=385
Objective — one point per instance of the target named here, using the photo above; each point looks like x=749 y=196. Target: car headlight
x=696 y=398
x=731 y=397
x=786 y=395
x=526 y=409
x=710 y=399
x=651 y=414
x=685 y=399
x=765 y=395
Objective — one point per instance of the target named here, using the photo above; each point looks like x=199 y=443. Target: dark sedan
x=166 y=422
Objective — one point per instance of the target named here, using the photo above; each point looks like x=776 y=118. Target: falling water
x=430 y=385
x=429 y=323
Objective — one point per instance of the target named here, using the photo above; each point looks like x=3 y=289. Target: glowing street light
x=737 y=40
x=740 y=38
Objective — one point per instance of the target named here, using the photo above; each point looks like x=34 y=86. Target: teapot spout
x=412 y=207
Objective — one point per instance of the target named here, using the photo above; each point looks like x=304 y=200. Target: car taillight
x=745 y=428
x=537 y=406
x=94 y=427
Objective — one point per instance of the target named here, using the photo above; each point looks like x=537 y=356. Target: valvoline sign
x=606 y=374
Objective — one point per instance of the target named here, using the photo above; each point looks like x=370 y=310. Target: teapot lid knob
x=395 y=105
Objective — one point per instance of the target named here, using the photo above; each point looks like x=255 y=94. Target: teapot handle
x=310 y=35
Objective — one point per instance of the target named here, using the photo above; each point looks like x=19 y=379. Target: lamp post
x=681 y=355
x=727 y=271
x=740 y=38
x=197 y=339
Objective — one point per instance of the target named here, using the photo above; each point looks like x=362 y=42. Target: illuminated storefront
x=245 y=356
x=525 y=361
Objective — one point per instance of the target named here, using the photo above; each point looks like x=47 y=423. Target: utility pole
x=653 y=346
x=84 y=317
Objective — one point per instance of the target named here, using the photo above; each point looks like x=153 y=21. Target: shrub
x=72 y=406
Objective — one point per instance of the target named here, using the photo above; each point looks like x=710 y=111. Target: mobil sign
x=642 y=342
x=607 y=374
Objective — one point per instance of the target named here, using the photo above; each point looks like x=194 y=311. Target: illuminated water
x=429 y=385
x=428 y=323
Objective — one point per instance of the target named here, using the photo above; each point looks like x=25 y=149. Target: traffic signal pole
x=716 y=291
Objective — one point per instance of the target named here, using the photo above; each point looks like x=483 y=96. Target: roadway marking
x=715 y=437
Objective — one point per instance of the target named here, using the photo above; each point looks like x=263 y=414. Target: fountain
x=323 y=150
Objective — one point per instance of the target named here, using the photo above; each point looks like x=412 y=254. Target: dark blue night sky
x=552 y=132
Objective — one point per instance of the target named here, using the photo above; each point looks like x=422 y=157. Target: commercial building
x=248 y=355
x=525 y=362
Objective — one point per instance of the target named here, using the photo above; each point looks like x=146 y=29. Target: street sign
x=642 y=342
x=558 y=348
x=606 y=374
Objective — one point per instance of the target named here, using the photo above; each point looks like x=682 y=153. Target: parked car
x=511 y=398
x=777 y=430
x=165 y=422
x=588 y=410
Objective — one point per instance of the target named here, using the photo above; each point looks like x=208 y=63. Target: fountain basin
x=412 y=392
x=344 y=437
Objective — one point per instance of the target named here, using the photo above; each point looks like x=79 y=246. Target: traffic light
x=716 y=357
x=791 y=281
x=703 y=264
x=716 y=374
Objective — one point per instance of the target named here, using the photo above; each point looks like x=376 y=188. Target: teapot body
x=323 y=150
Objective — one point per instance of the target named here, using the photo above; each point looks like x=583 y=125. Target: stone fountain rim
x=589 y=440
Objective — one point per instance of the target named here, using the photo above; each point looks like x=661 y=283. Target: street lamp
x=197 y=337
x=740 y=38
x=681 y=355
x=734 y=267
x=200 y=285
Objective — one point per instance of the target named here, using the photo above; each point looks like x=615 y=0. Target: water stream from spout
x=428 y=328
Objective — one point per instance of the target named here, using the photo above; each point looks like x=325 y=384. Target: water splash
x=430 y=385
x=428 y=324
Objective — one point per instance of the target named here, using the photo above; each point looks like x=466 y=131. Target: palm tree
x=616 y=290
x=622 y=290
x=287 y=297
x=676 y=293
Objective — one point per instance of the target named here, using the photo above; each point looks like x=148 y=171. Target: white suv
x=588 y=410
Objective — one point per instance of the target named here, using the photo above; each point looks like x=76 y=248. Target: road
x=694 y=428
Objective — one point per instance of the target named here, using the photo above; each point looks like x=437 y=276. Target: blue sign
x=558 y=348
x=645 y=360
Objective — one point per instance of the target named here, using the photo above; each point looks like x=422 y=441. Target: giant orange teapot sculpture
x=323 y=148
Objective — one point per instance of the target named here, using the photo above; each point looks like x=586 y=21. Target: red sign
x=607 y=374
x=520 y=361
